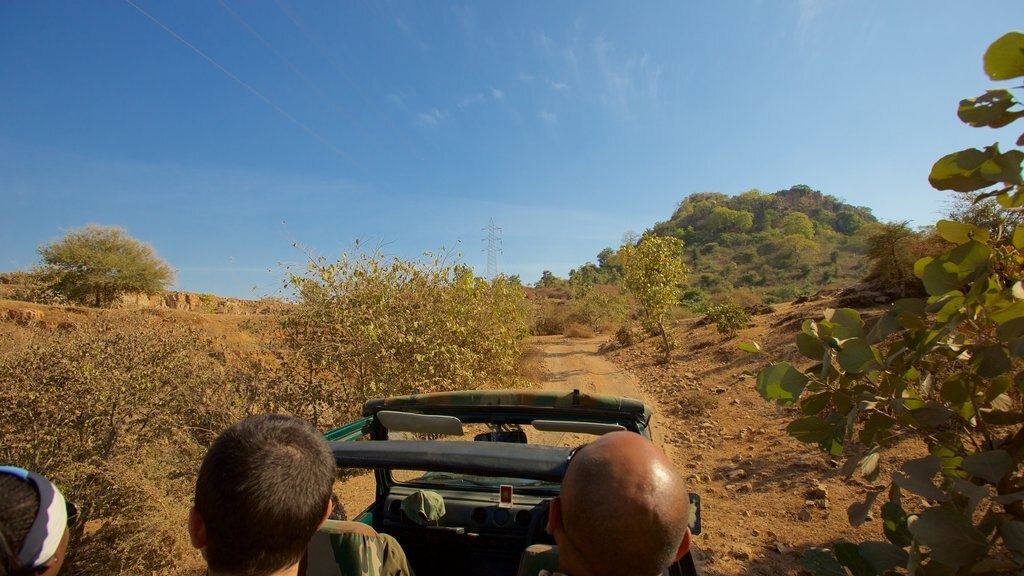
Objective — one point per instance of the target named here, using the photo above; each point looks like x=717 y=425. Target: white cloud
x=559 y=86
x=808 y=12
x=548 y=117
x=523 y=76
x=497 y=94
x=624 y=79
x=430 y=118
x=471 y=100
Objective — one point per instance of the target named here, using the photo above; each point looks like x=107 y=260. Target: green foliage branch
x=945 y=370
x=654 y=273
x=96 y=264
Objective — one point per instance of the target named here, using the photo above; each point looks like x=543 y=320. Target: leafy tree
x=549 y=280
x=892 y=252
x=798 y=223
x=723 y=219
x=946 y=370
x=654 y=272
x=794 y=250
x=96 y=264
x=584 y=278
x=848 y=222
x=611 y=266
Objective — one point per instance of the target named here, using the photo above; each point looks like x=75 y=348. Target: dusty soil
x=765 y=496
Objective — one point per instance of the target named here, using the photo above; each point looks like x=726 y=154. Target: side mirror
x=695 y=514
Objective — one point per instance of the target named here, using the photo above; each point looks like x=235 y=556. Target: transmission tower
x=493 y=240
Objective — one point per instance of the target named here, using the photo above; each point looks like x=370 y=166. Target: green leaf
x=810 y=429
x=751 y=347
x=1010 y=329
x=991 y=361
x=1018 y=233
x=961 y=171
x=1001 y=417
x=857 y=513
x=821 y=562
x=781 y=382
x=1004 y=59
x=953 y=540
x=991 y=109
x=953 y=269
x=916 y=476
x=990 y=465
x=1005 y=499
x=895 y=524
x=1012 y=532
x=849 y=556
x=810 y=346
x=844 y=323
x=1011 y=312
x=904 y=313
x=883 y=556
x=932 y=415
x=970 y=490
x=960 y=232
x=815 y=403
x=856 y=356
x=1004 y=167
x=955 y=390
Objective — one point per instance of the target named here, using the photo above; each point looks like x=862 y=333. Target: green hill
x=776 y=245
x=756 y=247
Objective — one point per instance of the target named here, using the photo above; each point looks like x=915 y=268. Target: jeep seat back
x=538 y=557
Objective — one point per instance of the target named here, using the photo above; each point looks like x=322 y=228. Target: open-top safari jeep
x=495 y=489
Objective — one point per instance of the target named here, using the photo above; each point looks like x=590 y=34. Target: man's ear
x=554 y=516
x=330 y=508
x=196 y=528
x=684 y=546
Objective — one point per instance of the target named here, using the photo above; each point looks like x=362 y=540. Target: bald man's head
x=623 y=509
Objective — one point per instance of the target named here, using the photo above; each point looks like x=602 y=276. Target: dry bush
x=552 y=318
x=367 y=326
x=575 y=330
x=743 y=297
x=531 y=365
x=626 y=335
x=118 y=413
x=694 y=403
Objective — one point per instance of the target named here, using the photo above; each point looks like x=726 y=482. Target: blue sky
x=222 y=132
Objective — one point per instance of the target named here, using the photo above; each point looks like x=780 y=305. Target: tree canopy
x=95 y=264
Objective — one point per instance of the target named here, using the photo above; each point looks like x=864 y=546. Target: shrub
x=694 y=298
x=575 y=330
x=375 y=326
x=727 y=317
x=551 y=318
x=626 y=336
x=117 y=414
x=945 y=371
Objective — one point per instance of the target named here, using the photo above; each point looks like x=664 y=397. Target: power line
x=242 y=83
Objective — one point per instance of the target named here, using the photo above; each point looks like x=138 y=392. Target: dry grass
x=531 y=365
x=575 y=330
